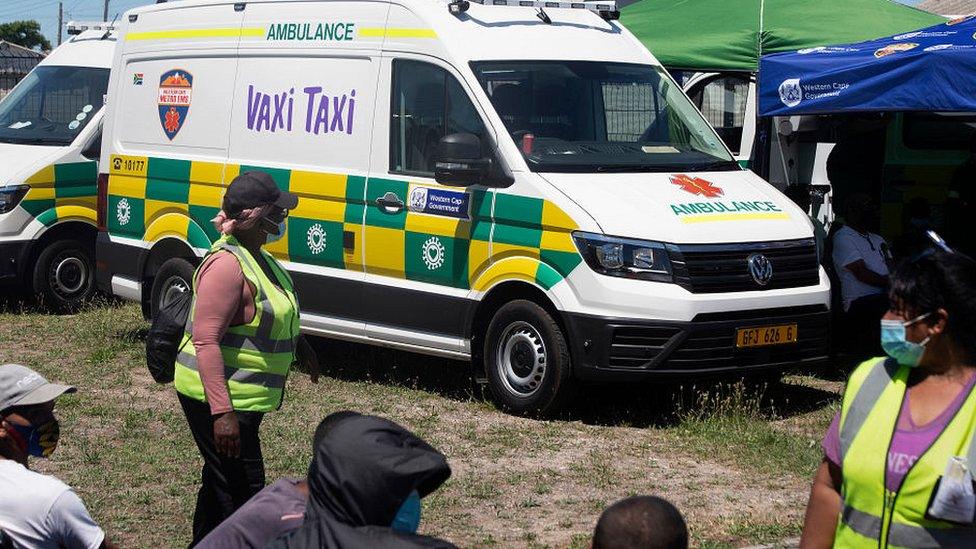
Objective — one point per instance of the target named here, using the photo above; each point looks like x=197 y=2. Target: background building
x=15 y=63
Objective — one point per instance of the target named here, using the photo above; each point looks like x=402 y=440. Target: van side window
x=722 y=100
x=428 y=103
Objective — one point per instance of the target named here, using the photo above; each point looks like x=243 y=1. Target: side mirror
x=94 y=149
x=459 y=160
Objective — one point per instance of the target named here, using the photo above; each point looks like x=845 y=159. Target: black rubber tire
x=556 y=385
x=174 y=271
x=64 y=275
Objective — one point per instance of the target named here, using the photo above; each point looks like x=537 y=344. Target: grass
x=737 y=462
x=733 y=414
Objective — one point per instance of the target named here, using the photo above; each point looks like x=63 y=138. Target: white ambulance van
x=522 y=186
x=50 y=138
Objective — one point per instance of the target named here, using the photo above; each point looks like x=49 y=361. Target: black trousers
x=226 y=483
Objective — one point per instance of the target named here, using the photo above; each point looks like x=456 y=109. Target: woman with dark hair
x=240 y=342
x=899 y=457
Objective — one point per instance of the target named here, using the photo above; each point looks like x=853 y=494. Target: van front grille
x=714 y=268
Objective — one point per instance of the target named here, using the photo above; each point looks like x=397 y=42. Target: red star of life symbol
x=172 y=120
x=696 y=185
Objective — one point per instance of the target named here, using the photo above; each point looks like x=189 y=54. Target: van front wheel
x=63 y=276
x=527 y=360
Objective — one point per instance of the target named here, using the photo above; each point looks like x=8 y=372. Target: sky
x=46 y=11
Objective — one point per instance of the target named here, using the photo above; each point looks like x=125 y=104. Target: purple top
x=272 y=512
x=909 y=442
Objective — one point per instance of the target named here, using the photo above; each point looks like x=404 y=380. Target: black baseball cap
x=254 y=189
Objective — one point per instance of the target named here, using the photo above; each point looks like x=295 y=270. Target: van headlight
x=624 y=257
x=10 y=196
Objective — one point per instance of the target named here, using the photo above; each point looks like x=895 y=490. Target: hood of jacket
x=364 y=467
x=362 y=470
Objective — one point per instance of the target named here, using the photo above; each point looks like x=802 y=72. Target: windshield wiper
x=630 y=168
x=719 y=166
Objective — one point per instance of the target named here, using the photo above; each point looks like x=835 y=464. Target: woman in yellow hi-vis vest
x=240 y=342
x=900 y=456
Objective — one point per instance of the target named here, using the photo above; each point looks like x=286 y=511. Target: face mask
x=407 y=518
x=276 y=236
x=906 y=353
x=39 y=441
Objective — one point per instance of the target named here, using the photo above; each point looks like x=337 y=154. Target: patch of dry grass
x=738 y=470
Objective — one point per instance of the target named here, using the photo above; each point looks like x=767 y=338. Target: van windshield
x=588 y=116
x=52 y=105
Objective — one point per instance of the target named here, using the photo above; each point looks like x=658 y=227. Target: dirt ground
x=737 y=464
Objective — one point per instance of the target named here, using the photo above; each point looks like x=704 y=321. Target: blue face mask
x=906 y=353
x=407 y=518
x=41 y=441
x=274 y=237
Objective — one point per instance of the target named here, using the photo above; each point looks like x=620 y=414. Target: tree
x=24 y=33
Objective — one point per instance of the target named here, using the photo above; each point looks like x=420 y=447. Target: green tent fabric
x=724 y=35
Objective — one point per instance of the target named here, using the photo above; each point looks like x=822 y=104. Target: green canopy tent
x=730 y=35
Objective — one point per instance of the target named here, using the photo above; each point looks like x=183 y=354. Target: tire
x=175 y=275
x=64 y=275
x=527 y=360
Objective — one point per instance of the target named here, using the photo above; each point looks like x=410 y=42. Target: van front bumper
x=619 y=349
x=13 y=260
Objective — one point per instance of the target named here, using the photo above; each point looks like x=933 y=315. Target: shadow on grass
x=357 y=362
x=637 y=405
x=666 y=405
x=14 y=300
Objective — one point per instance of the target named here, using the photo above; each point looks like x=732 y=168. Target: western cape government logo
x=175 y=93
x=790 y=92
x=441 y=202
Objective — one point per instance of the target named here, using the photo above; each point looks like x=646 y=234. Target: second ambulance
x=520 y=186
x=50 y=139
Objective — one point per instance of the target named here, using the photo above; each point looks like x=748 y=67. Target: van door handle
x=390 y=203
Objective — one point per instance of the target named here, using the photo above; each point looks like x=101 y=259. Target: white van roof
x=482 y=33
x=88 y=49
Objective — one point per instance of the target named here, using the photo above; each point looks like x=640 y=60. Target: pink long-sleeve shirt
x=224 y=298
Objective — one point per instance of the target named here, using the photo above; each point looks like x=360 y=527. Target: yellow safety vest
x=873 y=516
x=257 y=355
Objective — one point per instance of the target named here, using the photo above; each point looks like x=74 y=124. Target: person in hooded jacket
x=366 y=484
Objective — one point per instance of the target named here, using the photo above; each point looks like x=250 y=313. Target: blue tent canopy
x=932 y=69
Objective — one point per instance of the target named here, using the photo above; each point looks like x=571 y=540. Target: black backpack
x=165 y=335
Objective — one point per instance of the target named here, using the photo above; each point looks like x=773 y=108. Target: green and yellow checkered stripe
x=531 y=239
x=62 y=191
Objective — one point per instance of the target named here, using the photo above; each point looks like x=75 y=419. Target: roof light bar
x=606 y=9
x=78 y=27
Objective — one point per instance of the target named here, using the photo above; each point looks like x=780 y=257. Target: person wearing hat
x=36 y=510
x=241 y=339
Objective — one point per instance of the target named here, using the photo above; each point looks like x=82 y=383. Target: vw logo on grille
x=761 y=268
